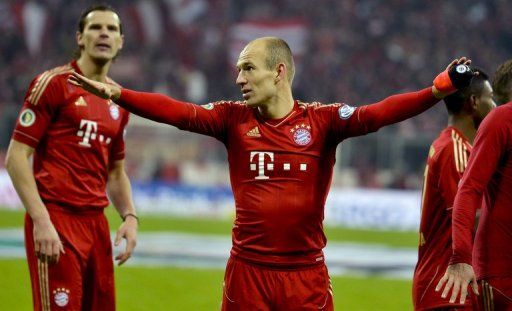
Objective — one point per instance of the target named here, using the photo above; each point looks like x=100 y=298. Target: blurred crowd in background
x=351 y=51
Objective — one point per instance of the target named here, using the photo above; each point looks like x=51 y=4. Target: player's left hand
x=127 y=231
x=103 y=90
x=458 y=276
x=457 y=75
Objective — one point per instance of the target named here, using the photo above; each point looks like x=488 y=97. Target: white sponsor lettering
x=88 y=131
x=260 y=163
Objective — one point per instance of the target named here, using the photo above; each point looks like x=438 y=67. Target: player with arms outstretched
x=281 y=155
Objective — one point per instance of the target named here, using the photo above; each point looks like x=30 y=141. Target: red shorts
x=250 y=287
x=495 y=294
x=83 y=279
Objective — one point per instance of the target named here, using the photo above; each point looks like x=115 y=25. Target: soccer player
x=77 y=144
x=281 y=154
x=488 y=175
x=446 y=162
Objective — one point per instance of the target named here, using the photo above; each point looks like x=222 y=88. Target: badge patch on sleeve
x=27 y=117
x=208 y=106
x=346 y=111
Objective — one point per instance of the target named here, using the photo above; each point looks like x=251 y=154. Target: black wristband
x=130 y=214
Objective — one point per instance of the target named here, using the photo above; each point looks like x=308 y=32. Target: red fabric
x=489 y=173
x=280 y=172
x=76 y=136
x=251 y=287
x=446 y=162
x=86 y=265
x=495 y=294
x=443 y=83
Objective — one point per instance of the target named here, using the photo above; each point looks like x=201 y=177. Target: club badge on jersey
x=301 y=134
x=114 y=111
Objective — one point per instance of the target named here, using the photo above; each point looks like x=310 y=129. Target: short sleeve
x=39 y=106
x=117 y=151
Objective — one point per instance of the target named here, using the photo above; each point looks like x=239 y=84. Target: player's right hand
x=457 y=278
x=48 y=245
x=103 y=90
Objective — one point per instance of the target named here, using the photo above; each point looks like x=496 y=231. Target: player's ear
x=280 y=73
x=79 y=39
x=473 y=102
x=122 y=42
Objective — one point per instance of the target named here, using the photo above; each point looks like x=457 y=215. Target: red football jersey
x=447 y=160
x=75 y=134
x=489 y=173
x=280 y=170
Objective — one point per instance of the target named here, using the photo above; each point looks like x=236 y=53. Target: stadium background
x=351 y=51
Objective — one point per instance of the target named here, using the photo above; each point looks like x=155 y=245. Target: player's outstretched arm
x=397 y=108
x=153 y=106
x=457 y=278
x=48 y=245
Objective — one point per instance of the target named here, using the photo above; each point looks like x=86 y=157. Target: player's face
x=256 y=81
x=484 y=103
x=101 y=39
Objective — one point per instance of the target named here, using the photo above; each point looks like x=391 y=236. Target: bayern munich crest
x=61 y=297
x=301 y=134
x=114 y=112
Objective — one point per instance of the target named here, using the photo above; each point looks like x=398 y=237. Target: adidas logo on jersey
x=255 y=132
x=80 y=102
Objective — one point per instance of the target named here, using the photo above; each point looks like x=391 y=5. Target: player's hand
x=458 y=276
x=48 y=245
x=457 y=75
x=103 y=90
x=127 y=231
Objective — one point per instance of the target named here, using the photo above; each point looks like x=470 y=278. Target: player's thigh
x=99 y=289
x=56 y=286
x=307 y=289
x=496 y=294
x=246 y=287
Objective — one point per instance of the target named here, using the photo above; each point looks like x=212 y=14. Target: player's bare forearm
x=48 y=246
x=119 y=189
x=120 y=193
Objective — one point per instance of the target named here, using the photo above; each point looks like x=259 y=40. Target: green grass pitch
x=169 y=288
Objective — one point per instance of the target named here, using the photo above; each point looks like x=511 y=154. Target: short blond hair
x=278 y=51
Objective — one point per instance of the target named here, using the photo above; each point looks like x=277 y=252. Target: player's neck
x=93 y=70
x=465 y=125
x=278 y=107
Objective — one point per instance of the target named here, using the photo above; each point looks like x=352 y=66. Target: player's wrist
x=130 y=215
x=40 y=217
x=116 y=93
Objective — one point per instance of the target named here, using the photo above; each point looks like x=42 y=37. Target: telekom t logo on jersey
x=265 y=162
x=88 y=131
